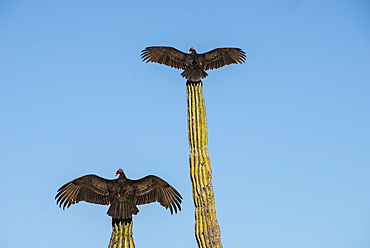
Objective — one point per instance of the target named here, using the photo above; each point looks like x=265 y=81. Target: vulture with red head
x=193 y=64
x=122 y=194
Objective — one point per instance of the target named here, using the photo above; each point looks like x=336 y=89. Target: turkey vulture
x=122 y=194
x=193 y=64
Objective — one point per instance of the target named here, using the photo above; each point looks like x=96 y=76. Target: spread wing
x=166 y=55
x=222 y=56
x=152 y=188
x=89 y=188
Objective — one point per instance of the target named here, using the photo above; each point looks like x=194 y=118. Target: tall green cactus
x=121 y=234
x=207 y=229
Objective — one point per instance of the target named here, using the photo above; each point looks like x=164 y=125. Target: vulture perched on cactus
x=122 y=194
x=193 y=64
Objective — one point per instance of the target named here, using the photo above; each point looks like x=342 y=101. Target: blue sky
x=289 y=130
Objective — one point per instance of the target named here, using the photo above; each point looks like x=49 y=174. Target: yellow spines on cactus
x=207 y=229
x=121 y=234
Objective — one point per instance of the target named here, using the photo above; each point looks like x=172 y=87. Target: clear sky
x=289 y=130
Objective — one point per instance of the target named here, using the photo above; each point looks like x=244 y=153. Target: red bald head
x=191 y=49
x=119 y=172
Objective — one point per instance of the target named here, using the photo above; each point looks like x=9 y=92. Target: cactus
x=121 y=234
x=207 y=229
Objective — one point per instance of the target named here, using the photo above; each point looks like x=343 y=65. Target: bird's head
x=191 y=49
x=119 y=172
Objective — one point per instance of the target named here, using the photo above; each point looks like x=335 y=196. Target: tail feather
x=194 y=74
x=122 y=210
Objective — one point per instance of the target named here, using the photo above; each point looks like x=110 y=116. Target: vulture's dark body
x=122 y=194
x=193 y=64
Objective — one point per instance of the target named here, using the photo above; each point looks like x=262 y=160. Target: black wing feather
x=152 y=188
x=89 y=188
x=166 y=55
x=220 y=57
